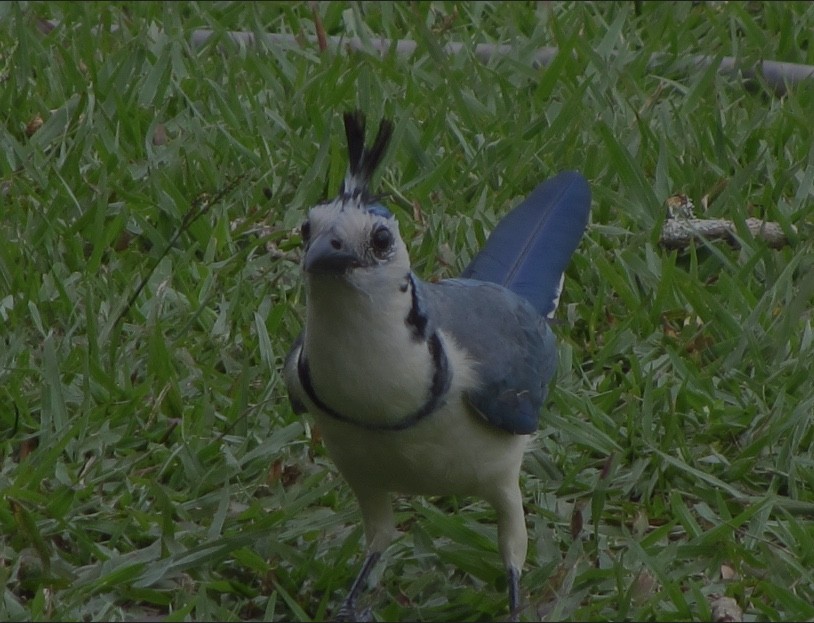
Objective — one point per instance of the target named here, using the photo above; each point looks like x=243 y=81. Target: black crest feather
x=363 y=161
x=355 y=133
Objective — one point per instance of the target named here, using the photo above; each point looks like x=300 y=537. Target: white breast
x=366 y=364
x=451 y=451
x=363 y=359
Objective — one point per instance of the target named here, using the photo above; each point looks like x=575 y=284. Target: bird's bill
x=323 y=257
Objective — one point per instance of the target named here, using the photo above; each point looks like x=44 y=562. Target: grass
x=151 y=465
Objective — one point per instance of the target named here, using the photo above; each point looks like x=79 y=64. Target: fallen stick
x=403 y=47
x=682 y=227
x=680 y=233
x=777 y=75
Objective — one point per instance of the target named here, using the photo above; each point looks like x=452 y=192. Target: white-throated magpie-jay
x=429 y=388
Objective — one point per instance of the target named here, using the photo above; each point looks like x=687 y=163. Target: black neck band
x=441 y=378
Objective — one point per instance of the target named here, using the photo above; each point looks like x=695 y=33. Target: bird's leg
x=513 y=580
x=512 y=541
x=348 y=610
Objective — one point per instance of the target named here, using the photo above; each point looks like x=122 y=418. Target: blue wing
x=511 y=344
x=501 y=323
x=530 y=248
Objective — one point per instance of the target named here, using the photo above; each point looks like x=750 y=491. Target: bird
x=429 y=388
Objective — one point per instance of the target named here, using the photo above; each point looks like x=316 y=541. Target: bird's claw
x=348 y=613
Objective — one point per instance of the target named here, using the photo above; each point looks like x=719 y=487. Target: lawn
x=150 y=196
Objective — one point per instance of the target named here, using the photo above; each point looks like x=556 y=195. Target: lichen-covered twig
x=682 y=227
x=777 y=75
x=679 y=233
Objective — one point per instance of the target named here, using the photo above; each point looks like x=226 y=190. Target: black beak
x=328 y=255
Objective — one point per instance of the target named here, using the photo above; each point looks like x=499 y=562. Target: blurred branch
x=403 y=47
x=679 y=233
x=199 y=207
x=777 y=75
x=682 y=227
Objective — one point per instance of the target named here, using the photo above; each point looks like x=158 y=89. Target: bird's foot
x=348 y=613
x=513 y=580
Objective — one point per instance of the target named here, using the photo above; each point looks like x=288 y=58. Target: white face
x=359 y=243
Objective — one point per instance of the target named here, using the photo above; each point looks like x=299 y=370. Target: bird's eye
x=305 y=231
x=381 y=240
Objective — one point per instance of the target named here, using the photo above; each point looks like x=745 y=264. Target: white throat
x=364 y=360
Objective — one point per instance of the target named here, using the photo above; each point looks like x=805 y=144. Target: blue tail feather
x=530 y=247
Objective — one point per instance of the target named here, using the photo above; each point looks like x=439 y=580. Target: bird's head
x=354 y=237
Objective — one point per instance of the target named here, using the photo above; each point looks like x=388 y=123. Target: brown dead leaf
x=287 y=475
x=643 y=586
x=713 y=193
x=728 y=573
x=446 y=23
x=667 y=328
x=275 y=472
x=577 y=521
x=418 y=213
x=322 y=36
x=610 y=319
x=641 y=523
x=699 y=344
x=173 y=423
x=33 y=125
x=679 y=206
x=725 y=609
x=445 y=255
x=27 y=446
x=159 y=134
x=606 y=467
x=550 y=593
x=45 y=26
x=315 y=442
x=123 y=241
x=291 y=474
